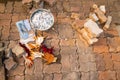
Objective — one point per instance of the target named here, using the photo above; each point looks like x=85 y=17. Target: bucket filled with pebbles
x=42 y=19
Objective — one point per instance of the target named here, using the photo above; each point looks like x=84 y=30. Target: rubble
x=107 y=24
x=102 y=8
x=93 y=16
x=94 y=28
x=18 y=50
x=100 y=14
x=90 y=30
x=10 y=64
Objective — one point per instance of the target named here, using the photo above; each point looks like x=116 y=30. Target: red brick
x=108 y=61
x=100 y=46
x=116 y=65
x=114 y=44
x=107 y=75
x=116 y=57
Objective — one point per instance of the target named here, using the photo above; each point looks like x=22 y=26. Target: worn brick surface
x=100 y=61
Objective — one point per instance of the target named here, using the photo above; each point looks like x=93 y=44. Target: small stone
x=10 y=64
x=18 y=50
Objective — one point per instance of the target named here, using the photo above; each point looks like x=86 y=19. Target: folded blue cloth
x=23 y=28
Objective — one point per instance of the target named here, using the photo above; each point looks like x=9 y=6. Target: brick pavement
x=100 y=61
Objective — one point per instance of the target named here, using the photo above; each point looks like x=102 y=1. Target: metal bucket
x=42 y=19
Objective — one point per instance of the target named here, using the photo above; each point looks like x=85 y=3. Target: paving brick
x=5 y=16
x=55 y=44
x=29 y=77
x=107 y=75
x=75 y=9
x=65 y=31
x=86 y=57
x=11 y=78
x=5 y=23
x=29 y=71
x=57 y=76
x=64 y=20
x=87 y=66
x=108 y=61
x=69 y=42
x=14 y=36
x=9 y=7
x=19 y=77
x=19 y=70
x=52 y=68
x=2 y=73
x=59 y=6
x=5 y=33
x=114 y=44
x=66 y=6
x=85 y=76
x=116 y=65
x=48 y=76
x=2 y=7
x=100 y=64
x=65 y=58
x=74 y=60
x=12 y=44
x=81 y=48
x=116 y=57
x=15 y=18
x=118 y=74
x=100 y=46
x=93 y=75
x=38 y=66
x=71 y=76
